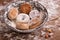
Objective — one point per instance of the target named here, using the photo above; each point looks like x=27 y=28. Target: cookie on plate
x=12 y=13
x=25 y=8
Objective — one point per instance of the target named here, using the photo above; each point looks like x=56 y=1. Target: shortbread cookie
x=12 y=13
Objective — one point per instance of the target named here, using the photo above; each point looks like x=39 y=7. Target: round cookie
x=34 y=13
x=25 y=8
x=22 y=18
x=12 y=13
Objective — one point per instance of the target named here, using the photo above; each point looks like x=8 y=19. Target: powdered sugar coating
x=34 y=13
x=22 y=18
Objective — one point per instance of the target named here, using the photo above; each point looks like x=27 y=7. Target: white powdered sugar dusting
x=51 y=7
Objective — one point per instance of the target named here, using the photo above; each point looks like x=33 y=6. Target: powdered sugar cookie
x=22 y=18
x=34 y=13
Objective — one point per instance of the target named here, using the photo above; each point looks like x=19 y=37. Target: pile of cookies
x=24 y=16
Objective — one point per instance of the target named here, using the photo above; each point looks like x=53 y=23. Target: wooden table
x=53 y=8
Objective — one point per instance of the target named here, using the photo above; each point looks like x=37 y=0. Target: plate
x=35 y=4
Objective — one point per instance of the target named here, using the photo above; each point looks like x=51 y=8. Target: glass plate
x=33 y=3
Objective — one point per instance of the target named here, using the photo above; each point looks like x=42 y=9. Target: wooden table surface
x=53 y=8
